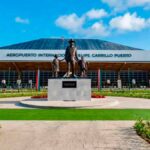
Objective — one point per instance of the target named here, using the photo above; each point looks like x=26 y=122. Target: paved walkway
x=68 y=135
x=12 y=102
x=108 y=102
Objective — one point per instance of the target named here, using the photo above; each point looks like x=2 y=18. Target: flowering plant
x=40 y=96
x=97 y=95
x=93 y=95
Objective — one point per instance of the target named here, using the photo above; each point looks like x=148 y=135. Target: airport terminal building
x=109 y=64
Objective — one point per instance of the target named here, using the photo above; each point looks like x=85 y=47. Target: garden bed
x=143 y=129
x=93 y=95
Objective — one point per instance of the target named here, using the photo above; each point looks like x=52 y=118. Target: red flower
x=40 y=96
x=94 y=95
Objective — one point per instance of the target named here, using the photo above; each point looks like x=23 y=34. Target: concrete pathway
x=70 y=135
x=108 y=102
x=12 y=102
x=127 y=102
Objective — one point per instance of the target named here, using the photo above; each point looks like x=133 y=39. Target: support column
x=99 y=87
x=119 y=82
x=38 y=80
x=8 y=84
x=149 y=79
x=129 y=79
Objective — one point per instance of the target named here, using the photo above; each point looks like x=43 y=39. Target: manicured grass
x=22 y=93
x=126 y=93
x=138 y=93
x=74 y=114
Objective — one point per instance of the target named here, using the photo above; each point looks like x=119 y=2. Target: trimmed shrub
x=143 y=129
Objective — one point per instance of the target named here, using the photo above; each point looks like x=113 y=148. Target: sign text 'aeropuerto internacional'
x=90 y=55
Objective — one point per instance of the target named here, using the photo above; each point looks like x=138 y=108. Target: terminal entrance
x=102 y=74
x=108 y=78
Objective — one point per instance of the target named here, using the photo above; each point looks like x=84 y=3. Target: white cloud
x=70 y=22
x=133 y=3
x=99 y=29
x=129 y=22
x=21 y=20
x=96 y=13
x=120 y=5
x=84 y=26
x=117 y=4
x=75 y=24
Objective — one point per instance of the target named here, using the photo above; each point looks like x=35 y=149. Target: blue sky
x=121 y=21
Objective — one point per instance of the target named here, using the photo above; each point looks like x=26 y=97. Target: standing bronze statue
x=55 y=66
x=83 y=67
x=71 y=58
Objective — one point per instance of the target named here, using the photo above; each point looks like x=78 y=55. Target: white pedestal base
x=69 y=89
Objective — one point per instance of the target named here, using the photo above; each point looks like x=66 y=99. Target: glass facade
x=130 y=78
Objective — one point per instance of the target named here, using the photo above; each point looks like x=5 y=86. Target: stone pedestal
x=69 y=89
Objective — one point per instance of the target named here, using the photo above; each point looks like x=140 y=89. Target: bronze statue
x=55 y=66
x=83 y=67
x=71 y=58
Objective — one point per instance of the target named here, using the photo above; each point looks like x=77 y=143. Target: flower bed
x=39 y=96
x=94 y=95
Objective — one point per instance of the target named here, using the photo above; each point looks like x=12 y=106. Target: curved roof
x=57 y=44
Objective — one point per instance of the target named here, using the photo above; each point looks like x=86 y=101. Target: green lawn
x=139 y=93
x=22 y=93
x=74 y=114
